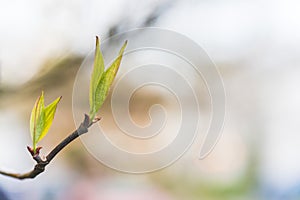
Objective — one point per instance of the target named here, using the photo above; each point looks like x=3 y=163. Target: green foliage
x=41 y=119
x=102 y=80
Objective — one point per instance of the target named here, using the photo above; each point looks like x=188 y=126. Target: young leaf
x=106 y=82
x=37 y=119
x=41 y=119
x=96 y=76
x=49 y=116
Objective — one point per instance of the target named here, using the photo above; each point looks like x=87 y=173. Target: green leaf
x=105 y=82
x=41 y=119
x=37 y=119
x=96 y=76
x=49 y=116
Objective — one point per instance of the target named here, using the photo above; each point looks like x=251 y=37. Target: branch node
x=96 y=119
x=30 y=150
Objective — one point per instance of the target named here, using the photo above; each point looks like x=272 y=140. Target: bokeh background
x=255 y=45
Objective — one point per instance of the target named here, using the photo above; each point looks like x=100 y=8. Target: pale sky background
x=228 y=30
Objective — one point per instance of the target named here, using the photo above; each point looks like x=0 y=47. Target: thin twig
x=41 y=164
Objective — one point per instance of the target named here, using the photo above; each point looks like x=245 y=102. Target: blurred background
x=255 y=45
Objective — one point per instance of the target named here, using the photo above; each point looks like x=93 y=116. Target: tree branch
x=41 y=164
